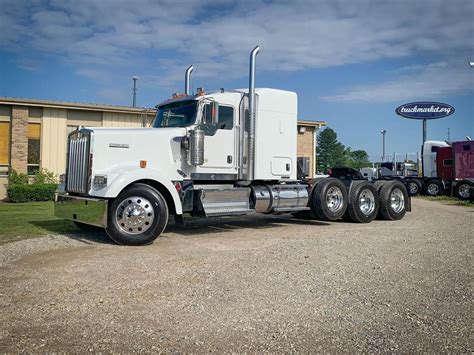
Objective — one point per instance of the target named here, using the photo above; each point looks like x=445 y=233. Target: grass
x=31 y=219
x=448 y=200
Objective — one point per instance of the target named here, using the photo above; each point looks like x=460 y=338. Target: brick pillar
x=19 y=144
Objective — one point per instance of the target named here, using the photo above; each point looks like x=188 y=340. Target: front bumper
x=86 y=210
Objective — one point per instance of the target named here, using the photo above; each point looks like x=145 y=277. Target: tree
x=330 y=152
x=357 y=159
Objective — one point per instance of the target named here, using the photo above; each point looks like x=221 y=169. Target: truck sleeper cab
x=210 y=154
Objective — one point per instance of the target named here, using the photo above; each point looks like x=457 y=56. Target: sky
x=352 y=63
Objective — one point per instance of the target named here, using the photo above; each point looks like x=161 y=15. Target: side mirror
x=214 y=111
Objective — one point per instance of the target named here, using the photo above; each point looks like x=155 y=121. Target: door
x=220 y=141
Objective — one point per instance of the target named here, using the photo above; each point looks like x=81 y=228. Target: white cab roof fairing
x=437 y=143
x=219 y=95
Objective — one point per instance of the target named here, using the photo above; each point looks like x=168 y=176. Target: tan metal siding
x=84 y=118
x=3 y=187
x=54 y=140
x=112 y=119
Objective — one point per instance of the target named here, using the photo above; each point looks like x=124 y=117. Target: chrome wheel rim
x=464 y=190
x=413 y=188
x=397 y=200
x=433 y=189
x=134 y=215
x=366 y=202
x=334 y=199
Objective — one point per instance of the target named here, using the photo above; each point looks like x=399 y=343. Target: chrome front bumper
x=86 y=210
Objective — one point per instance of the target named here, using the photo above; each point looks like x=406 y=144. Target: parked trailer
x=211 y=154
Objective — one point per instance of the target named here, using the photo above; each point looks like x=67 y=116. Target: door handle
x=229 y=159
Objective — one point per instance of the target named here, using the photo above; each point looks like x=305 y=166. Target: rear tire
x=393 y=197
x=434 y=188
x=363 y=202
x=462 y=190
x=414 y=187
x=137 y=216
x=329 y=199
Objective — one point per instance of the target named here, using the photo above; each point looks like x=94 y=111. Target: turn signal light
x=143 y=164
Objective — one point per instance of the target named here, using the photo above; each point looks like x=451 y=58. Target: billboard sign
x=425 y=110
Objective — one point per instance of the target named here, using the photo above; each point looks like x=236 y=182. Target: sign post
x=425 y=111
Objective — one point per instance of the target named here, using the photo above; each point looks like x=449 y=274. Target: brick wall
x=19 y=145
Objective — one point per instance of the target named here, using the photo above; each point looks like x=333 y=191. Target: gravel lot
x=247 y=284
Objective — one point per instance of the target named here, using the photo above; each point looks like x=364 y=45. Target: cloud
x=165 y=36
x=435 y=80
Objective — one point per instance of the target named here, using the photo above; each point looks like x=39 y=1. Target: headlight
x=100 y=180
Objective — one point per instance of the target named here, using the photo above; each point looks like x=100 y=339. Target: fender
x=128 y=175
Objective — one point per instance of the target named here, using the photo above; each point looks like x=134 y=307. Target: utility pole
x=383 y=131
x=135 y=78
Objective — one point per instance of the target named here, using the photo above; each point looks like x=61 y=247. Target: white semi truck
x=210 y=154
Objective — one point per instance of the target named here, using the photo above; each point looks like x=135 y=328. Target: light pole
x=135 y=78
x=383 y=131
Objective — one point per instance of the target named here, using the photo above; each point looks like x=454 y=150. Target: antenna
x=135 y=78
x=449 y=134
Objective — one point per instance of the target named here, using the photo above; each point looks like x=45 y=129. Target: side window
x=4 y=147
x=225 y=119
x=466 y=147
x=434 y=149
x=34 y=138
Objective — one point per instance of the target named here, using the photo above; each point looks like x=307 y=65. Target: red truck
x=455 y=168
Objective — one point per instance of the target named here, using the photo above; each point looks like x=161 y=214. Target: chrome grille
x=78 y=163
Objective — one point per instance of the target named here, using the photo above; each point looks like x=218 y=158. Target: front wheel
x=137 y=216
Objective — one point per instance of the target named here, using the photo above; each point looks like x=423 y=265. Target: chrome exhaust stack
x=252 y=113
x=187 y=80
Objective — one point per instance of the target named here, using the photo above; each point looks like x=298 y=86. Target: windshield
x=177 y=114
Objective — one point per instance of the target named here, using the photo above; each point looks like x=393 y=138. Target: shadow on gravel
x=195 y=226
x=92 y=236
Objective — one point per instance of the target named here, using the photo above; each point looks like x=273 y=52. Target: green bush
x=15 y=178
x=33 y=192
x=42 y=187
x=45 y=177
